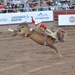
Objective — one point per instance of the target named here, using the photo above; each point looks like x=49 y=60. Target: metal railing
x=31 y=9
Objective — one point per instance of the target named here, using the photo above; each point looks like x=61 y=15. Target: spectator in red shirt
x=1 y=6
x=32 y=6
x=43 y=28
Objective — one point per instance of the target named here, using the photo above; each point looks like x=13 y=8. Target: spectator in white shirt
x=43 y=5
x=65 y=5
x=53 y=7
x=18 y=1
x=58 y=3
x=27 y=6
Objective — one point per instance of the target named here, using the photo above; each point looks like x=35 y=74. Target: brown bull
x=40 y=38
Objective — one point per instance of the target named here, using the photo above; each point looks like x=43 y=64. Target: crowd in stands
x=35 y=5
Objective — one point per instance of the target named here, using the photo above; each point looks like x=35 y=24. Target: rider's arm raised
x=33 y=21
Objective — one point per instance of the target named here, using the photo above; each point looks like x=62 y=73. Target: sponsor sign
x=66 y=20
x=13 y=18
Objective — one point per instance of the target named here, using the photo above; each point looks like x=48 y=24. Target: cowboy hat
x=37 y=22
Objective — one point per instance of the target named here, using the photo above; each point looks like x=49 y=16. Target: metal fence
x=32 y=9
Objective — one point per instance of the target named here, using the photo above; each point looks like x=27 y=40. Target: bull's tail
x=10 y=30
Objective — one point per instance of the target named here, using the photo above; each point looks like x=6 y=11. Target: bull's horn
x=10 y=30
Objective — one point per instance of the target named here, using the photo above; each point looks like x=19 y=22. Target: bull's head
x=22 y=25
x=61 y=34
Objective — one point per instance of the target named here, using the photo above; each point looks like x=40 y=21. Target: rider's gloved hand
x=31 y=17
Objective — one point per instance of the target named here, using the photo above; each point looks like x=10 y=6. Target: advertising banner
x=13 y=18
x=66 y=20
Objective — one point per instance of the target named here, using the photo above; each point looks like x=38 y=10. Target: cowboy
x=43 y=28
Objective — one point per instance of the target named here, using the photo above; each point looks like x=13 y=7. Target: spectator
x=32 y=6
x=65 y=5
x=14 y=2
x=18 y=1
x=8 y=4
x=10 y=10
x=72 y=6
x=43 y=6
x=1 y=6
x=61 y=8
x=69 y=3
x=48 y=2
x=53 y=7
x=58 y=3
x=21 y=5
x=26 y=6
x=13 y=6
x=6 y=7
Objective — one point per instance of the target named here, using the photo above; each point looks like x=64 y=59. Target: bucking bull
x=25 y=30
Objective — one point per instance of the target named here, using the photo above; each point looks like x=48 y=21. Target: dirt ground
x=22 y=56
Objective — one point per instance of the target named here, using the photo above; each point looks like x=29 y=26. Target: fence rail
x=31 y=9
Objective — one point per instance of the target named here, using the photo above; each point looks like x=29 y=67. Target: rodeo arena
x=37 y=37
